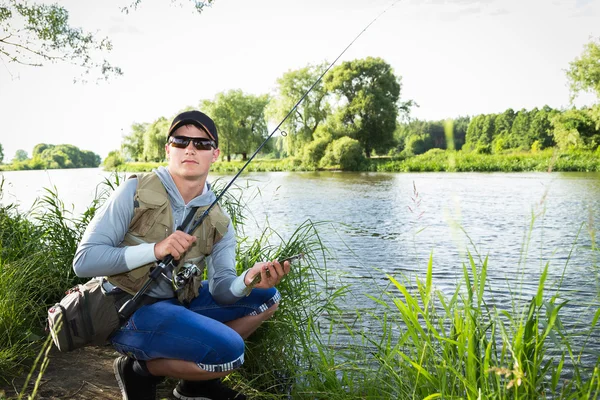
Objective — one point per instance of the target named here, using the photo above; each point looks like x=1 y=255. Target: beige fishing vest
x=153 y=221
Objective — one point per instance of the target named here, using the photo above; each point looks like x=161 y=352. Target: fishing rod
x=169 y=262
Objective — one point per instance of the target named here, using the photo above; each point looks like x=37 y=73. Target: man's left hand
x=271 y=273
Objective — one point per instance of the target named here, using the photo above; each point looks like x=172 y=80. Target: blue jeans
x=167 y=329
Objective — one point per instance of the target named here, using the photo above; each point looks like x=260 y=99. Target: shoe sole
x=182 y=397
x=119 y=380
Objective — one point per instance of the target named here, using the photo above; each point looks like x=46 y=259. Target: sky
x=455 y=57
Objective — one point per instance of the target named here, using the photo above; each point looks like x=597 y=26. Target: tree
x=1 y=153
x=133 y=144
x=459 y=127
x=20 y=155
x=520 y=130
x=503 y=123
x=584 y=72
x=310 y=113
x=39 y=149
x=576 y=129
x=540 y=128
x=33 y=33
x=474 y=131
x=240 y=121
x=50 y=156
x=369 y=93
x=155 y=138
x=113 y=160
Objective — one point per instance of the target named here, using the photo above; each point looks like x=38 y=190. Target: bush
x=483 y=149
x=113 y=160
x=345 y=152
x=314 y=151
x=417 y=144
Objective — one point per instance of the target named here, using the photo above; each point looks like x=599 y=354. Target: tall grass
x=36 y=258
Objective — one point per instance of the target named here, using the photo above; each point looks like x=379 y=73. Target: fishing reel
x=185 y=274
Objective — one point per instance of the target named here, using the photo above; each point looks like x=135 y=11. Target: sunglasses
x=181 y=142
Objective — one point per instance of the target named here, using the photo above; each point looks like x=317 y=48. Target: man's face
x=190 y=163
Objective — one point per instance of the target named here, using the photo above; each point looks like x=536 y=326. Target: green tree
x=369 y=93
x=113 y=160
x=20 y=155
x=155 y=138
x=310 y=113
x=540 y=128
x=474 y=134
x=240 y=120
x=584 y=72
x=520 y=130
x=133 y=144
x=503 y=123
x=1 y=153
x=89 y=159
x=32 y=33
x=39 y=149
x=63 y=156
x=576 y=129
x=459 y=127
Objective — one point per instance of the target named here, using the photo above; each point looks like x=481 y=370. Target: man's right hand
x=176 y=244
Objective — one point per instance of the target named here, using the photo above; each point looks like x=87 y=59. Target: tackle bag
x=86 y=316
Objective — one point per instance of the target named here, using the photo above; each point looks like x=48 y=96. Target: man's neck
x=189 y=189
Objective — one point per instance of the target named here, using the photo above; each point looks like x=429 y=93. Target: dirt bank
x=82 y=374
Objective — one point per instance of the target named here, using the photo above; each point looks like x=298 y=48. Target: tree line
x=49 y=156
x=352 y=111
x=356 y=112
x=523 y=130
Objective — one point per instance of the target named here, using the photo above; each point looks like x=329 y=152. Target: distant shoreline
x=435 y=160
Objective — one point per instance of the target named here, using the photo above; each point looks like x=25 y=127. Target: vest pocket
x=146 y=215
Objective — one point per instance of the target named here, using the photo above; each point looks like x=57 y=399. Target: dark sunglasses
x=181 y=142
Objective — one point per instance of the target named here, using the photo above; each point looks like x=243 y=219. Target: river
x=391 y=222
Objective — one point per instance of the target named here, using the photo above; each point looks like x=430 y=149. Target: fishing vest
x=153 y=221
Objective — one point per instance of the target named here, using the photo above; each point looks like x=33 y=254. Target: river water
x=390 y=223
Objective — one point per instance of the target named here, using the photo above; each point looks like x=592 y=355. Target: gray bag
x=86 y=316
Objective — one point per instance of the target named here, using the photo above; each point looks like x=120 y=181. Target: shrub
x=417 y=144
x=113 y=160
x=314 y=151
x=344 y=152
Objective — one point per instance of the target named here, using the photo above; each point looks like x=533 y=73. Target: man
x=190 y=330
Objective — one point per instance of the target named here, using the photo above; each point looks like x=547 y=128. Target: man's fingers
x=175 y=244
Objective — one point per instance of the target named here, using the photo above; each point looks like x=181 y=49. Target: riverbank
x=435 y=160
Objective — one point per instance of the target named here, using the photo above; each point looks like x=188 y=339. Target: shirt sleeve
x=224 y=284
x=98 y=253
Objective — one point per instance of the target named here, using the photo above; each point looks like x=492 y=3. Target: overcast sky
x=456 y=57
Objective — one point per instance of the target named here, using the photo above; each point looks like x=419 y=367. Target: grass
x=412 y=342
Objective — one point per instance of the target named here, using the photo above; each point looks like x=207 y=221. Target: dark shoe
x=205 y=390
x=134 y=386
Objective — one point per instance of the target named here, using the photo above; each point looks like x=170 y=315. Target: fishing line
x=169 y=262
x=296 y=106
